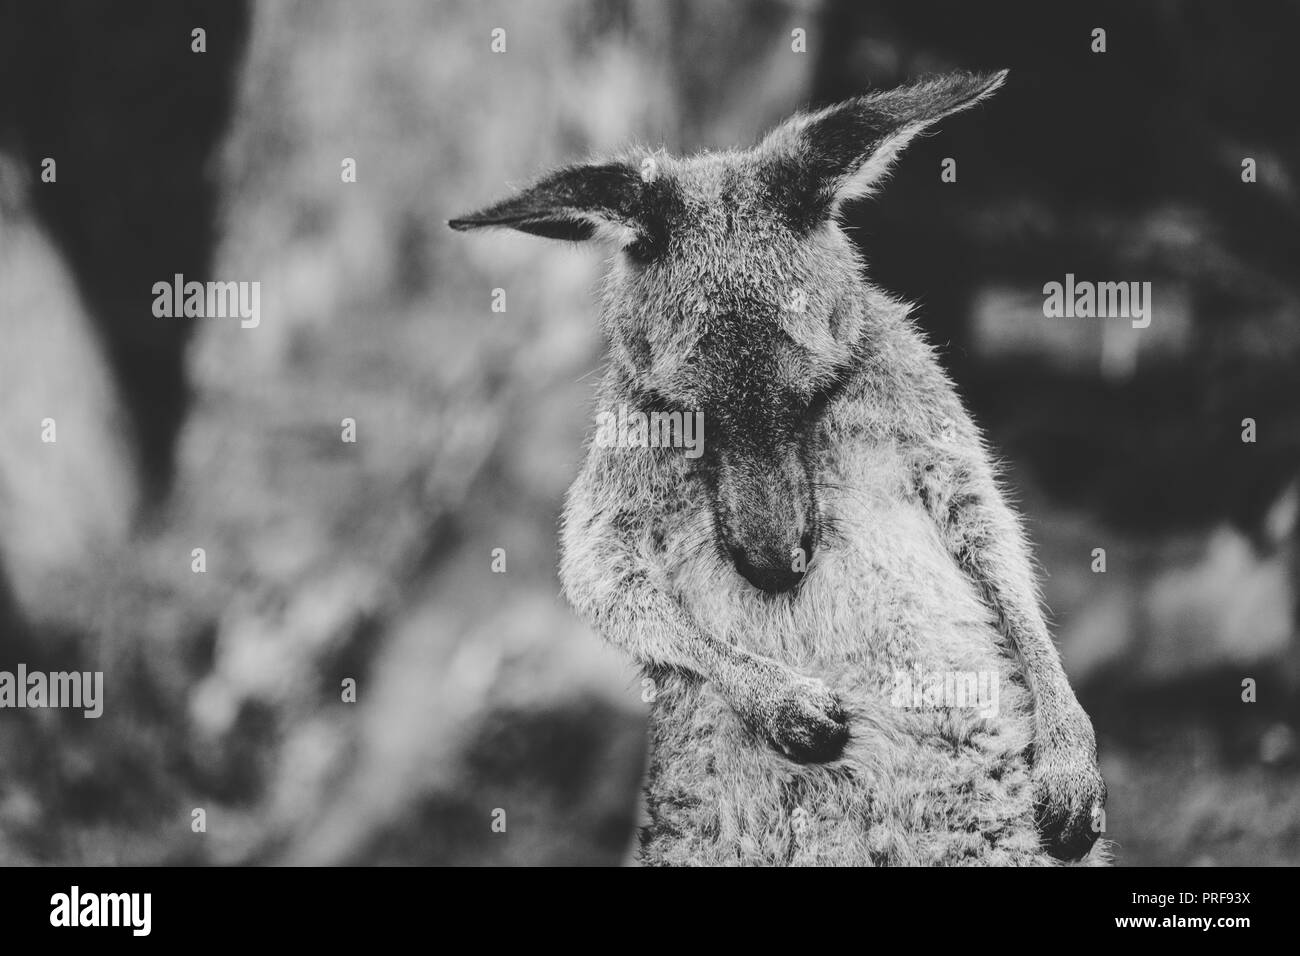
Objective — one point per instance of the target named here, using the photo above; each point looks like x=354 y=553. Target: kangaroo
x=800 y=594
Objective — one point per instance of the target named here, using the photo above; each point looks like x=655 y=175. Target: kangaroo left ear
x=576 y=203
x=817 y=162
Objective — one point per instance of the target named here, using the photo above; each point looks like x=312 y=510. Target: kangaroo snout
x=773 y=569
x=767 y=523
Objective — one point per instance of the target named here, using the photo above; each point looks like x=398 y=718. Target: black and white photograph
x=650 y=433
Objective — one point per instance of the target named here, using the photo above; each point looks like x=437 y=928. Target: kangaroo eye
x=642 y=251
x=638 y=349
x=651 y=240
x=824 y=395
x=653 y=400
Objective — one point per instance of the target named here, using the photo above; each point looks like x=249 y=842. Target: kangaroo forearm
x=1001 y=567
x=644 y=621
x=610 y=579
x=991 y=548
x=985 y=537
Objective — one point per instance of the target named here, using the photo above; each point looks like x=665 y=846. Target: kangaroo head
x=732 y=293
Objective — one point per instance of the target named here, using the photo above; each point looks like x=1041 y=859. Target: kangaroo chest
x=881 y=588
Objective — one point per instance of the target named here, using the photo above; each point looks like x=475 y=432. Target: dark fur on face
x=730 y=293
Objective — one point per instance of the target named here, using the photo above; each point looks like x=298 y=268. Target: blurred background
x=328 y=561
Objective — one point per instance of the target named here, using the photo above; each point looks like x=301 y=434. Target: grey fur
x=831 y=430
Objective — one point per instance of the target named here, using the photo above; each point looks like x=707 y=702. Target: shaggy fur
x=831 y=433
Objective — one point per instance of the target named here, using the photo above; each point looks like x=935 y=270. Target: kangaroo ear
x=576 y=203
x=818 y=161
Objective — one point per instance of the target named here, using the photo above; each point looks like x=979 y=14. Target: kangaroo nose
x=772 y=571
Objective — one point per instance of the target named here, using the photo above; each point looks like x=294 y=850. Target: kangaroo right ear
x=816 y=162
x=580 y=202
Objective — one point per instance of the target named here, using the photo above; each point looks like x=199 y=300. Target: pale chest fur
x=882 y=591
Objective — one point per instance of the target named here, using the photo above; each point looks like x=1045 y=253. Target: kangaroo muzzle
x=767 y=520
